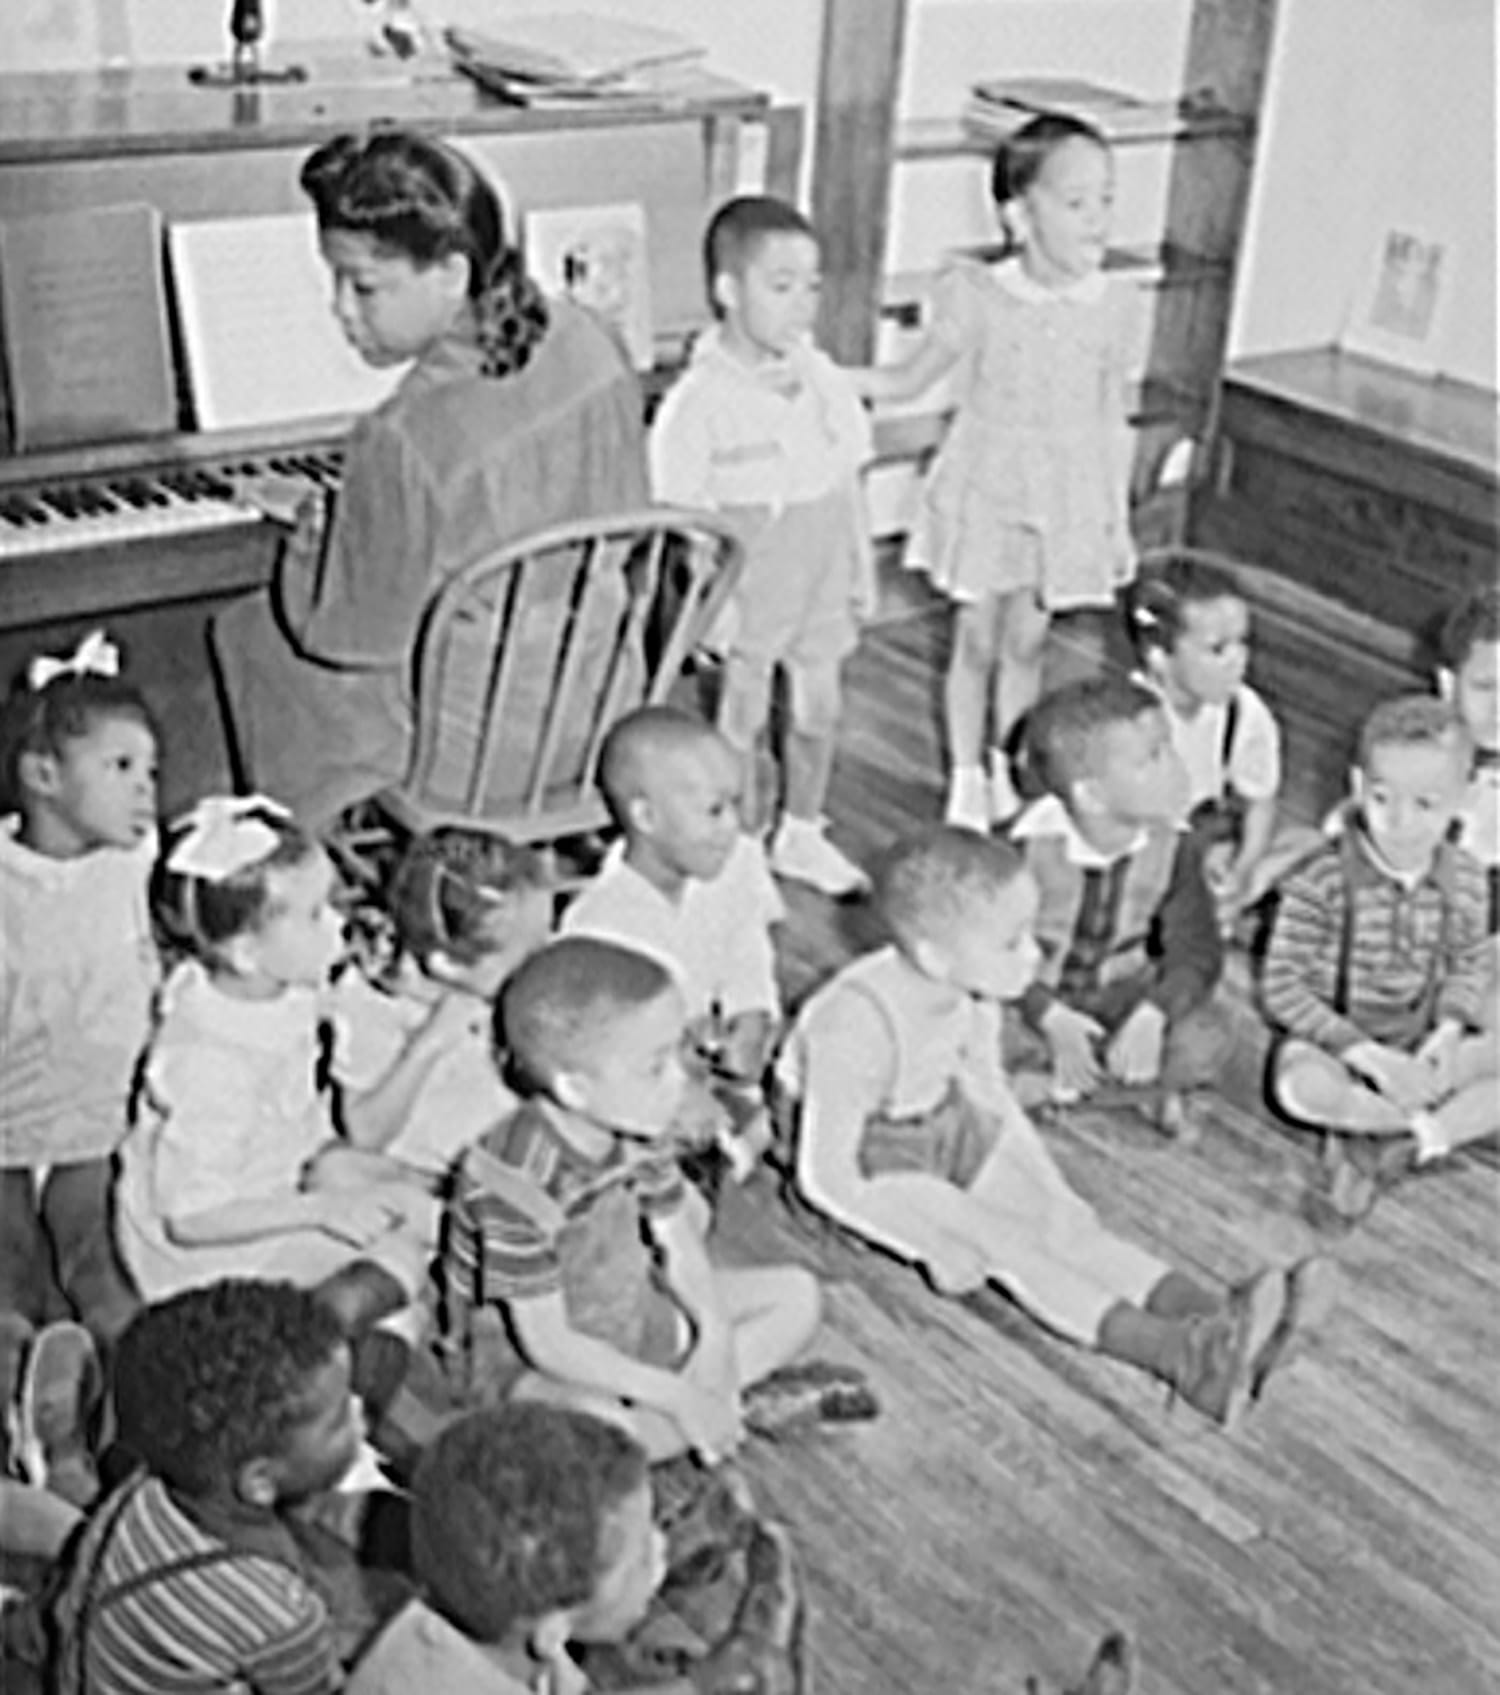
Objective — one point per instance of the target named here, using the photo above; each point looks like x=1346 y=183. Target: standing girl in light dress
x=1025 y=512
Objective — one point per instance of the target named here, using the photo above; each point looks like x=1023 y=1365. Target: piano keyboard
x=145 y=506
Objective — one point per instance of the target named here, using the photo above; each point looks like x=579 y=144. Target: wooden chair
x=527 y=657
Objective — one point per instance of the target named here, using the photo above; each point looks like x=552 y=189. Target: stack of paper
x=1000 y=106
x=572 y=55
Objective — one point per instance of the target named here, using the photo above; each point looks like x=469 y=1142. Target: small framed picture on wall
x=1398 y=311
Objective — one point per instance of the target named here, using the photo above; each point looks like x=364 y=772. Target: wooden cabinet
x=1372 y=488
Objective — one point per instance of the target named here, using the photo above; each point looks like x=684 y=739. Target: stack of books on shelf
x=998 y=107
x=573 y=57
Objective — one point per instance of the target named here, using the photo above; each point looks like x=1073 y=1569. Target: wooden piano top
x=156 y=109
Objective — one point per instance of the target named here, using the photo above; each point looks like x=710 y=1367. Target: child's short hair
x=929 y=884
x=64 y=709
x=198 y=915
x=1020 y=157
x=737 y=232
x=1410 y=720
x=509 y=1506
x=556 y=1004
x=208 y=1380
x=1165 y=586
x=637 y=743
x=1063 y=731
x=442 y=896
x=1473 y=622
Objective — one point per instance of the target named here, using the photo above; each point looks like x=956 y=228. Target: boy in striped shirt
x=1377 y=973
x=189 y=1581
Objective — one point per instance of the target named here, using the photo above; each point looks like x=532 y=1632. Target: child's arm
x=846 y=1073
x=375 y=1115
x=1255 y=839
x=929 y=362
x=352 y=1216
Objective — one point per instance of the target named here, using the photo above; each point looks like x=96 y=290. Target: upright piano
x=107 y=526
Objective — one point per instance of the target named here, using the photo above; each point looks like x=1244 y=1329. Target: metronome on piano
x=244 y=69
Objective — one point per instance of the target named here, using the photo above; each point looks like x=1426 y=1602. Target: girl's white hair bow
x=223 y=834
x=95 y=656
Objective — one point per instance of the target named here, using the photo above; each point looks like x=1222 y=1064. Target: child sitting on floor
x=413 y=1044
x=531 y=1529
x=220 y=1175
x=767 y=430
x=688 y=887
x=78 y=969
x=237 y=1400
x=1190 y=626
x=551 y=1290
x=1130 y=942
x=1378 y=968
x=907 y=1132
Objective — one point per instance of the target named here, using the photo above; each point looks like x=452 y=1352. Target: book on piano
x=87 y=348
x=259 y=336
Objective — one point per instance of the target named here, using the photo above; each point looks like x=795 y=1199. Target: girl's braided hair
x=419 y=197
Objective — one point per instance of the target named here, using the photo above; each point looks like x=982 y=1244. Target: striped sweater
x=1406 y=945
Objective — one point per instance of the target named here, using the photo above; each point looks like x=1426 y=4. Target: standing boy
x=1378 y=970
x=767 y=430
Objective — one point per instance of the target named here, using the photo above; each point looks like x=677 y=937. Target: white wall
x=1379 y=115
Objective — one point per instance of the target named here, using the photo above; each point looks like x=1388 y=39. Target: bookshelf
x=1206 y=132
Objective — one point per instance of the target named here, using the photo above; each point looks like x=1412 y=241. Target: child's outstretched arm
x=906 y=378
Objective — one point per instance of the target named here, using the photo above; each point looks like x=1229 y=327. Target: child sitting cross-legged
x=532 y=1530
x=413 y=1043
x=1378 y=970
x=236 y=1399
x=687 y=886
x=908 y=1132
x=570 y=1270
x=1130 y=941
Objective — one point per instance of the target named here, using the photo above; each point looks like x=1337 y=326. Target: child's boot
x=1227 y=1356
x=1355 y=1171
x=810 y=1392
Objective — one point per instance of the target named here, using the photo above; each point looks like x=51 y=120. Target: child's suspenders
x=1226 y=747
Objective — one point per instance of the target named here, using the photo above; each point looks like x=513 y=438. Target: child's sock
x=1004 y=802
x=968 y=803
x=1431 y=1140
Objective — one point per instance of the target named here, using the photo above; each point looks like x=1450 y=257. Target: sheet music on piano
x=259 y=337
x=83 y=303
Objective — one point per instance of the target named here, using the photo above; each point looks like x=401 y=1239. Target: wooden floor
x=1020 y=1496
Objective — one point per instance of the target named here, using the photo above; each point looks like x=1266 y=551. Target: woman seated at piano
x=518 y=412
